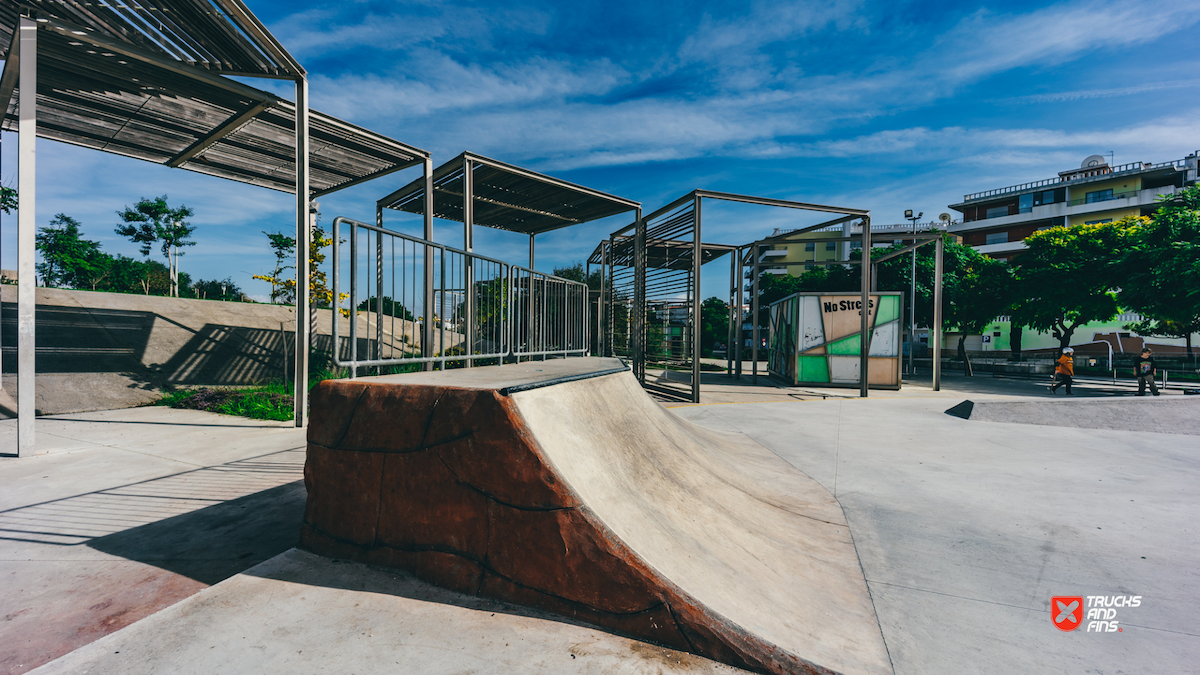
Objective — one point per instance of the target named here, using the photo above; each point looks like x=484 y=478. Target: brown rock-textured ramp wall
x=452 y=484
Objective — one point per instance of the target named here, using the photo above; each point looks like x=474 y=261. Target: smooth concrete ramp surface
x=562 y=486
x=1163 y=414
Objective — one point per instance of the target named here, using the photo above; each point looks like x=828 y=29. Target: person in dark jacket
x=1145 y=369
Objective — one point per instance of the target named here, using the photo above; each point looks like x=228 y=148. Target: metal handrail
x=443 y=258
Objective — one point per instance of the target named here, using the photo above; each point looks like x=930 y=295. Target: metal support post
x=733 y=304
x=741 y=317
x=468 y=266
x=757 y=272
x=912 y=310
x=303 y=235
x=697 y=312
x=26 y=228
x=937 y=315
x=638 y=322
x=864 y=345
x=427 y=327
x=531 y=247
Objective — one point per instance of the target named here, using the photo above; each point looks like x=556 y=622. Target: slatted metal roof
x=660 y=253
x=508 y=197
x=146 y=80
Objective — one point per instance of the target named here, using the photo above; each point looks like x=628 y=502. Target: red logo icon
x=1066 y=612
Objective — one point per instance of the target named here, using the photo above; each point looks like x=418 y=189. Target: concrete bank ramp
x=1163 y=414
x=561 y=485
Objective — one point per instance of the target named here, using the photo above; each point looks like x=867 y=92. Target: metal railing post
x=864 y=345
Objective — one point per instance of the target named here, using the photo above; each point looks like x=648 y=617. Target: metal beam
x=427 y=328
x=550 y=180
x=864 y=341
x=468 y=267
x=81 y=34
x=368 y=177
x=937 y=316
x=754 y=317
x=208 y=140
x=8 y=80
x=765 y=201
x=303 y=234
x=250 y=23
x=26 y=229
x=697 y=260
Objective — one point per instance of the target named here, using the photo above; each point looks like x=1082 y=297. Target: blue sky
x=877 y=105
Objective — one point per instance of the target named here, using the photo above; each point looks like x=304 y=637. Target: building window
x=1025 y=204
x=997 y=211
x=1048 y=197
x=809 y=267
x=810 y=246
x=997 y=238
x=856 y=244
x=1098 y=196
x=830 y=246
x=1098 y=222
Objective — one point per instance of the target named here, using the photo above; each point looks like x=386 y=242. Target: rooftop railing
x=1071 y=178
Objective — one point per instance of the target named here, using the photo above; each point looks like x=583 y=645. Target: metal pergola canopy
x=113 y=90
x=222 y=36
x=507 y=197
x=660 y=254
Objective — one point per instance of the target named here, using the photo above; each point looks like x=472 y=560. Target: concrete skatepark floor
x=964 y=529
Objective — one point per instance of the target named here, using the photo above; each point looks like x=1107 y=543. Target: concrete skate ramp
x=561 y=485
x=1164 y=415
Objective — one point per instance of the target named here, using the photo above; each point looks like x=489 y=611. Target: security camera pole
x=912 y=305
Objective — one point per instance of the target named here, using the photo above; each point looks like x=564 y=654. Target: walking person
x=1145 y=368
x=1064 y=371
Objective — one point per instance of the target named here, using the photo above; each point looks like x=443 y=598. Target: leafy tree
x=8 y=199
x=65 y=254
x=213 y=289
x=576 y=272
x=387 y=307
x=1160 y=273
x=714 y=324
x=984 y=291
x=283 y=290
x=1069 y=276
x=153 y=221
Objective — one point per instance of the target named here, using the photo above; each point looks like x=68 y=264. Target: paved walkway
x=129 y=511
x=965 y=530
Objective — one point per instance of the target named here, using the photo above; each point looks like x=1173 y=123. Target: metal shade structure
x=475 y=190
x=507 y=197
x=655 y=238
x=148 y=80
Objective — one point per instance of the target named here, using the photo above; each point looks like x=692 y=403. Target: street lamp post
x=912 y=305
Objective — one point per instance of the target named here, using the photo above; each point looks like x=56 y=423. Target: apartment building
x=996 y=222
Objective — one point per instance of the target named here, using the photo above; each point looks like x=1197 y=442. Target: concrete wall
x=98 y=351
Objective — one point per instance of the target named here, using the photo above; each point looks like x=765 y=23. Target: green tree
x=1069 y=276
x=714 y=324
x=214 y=289
x=576 y=272
x=283 y=289
x=65 y=254
x=388 y=307
x=8 y=199
x=152 y=221
x=1160 y=273
x=983 y=291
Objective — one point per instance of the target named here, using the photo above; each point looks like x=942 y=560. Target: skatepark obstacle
x=561 y=485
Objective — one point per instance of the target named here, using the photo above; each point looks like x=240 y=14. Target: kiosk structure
x=816 y=339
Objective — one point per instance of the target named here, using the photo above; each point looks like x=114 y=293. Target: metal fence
x=415 y=301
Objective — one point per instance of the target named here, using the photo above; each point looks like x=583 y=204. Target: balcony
x=1131 y=168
